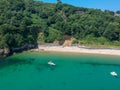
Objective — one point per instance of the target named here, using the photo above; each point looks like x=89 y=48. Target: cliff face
x=68 y=40
x=4 y=52
x=1 y=52
x=7 y=51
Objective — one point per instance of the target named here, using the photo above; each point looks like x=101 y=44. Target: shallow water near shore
x=30 y=71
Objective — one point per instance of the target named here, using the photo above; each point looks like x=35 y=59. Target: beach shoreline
x=76 y=49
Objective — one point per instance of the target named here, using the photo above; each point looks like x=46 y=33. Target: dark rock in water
x=30 y=62
x=38 y=68
x=32 y=59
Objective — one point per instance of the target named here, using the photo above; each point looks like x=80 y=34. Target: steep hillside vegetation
x=25 y=22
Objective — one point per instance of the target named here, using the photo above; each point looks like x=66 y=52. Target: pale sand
x=76 y=49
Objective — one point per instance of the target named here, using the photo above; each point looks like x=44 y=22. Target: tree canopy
x=21 y=21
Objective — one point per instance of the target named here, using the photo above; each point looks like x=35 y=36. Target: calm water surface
x=29 y=71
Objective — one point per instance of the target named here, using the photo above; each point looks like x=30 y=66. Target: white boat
x=51 y=63
x=114 y=74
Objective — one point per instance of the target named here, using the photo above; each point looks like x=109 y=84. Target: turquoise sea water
x=29 y=71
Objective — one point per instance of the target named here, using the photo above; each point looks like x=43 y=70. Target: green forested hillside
x=28 y=22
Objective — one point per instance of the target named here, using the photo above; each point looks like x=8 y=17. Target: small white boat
x=114 y=74
x=51 y=63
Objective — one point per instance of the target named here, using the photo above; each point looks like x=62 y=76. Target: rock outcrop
x=8 y=51
x=68 y=42
x=1 y=52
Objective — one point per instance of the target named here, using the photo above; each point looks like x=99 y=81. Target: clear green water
x=29 y=71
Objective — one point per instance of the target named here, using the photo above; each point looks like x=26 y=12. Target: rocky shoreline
x=58 y=48
x=9 y=51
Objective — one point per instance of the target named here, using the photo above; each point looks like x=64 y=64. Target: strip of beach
x=76 y=49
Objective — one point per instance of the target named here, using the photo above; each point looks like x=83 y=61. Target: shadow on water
x=39 y=67
x=100 y=64
x=42 y=66
x=5 y=62
x=52 y=68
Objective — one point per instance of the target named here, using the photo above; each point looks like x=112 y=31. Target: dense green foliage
x=16 y=25
x=21 y=21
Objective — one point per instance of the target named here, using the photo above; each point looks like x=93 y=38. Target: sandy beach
x=76 y=49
